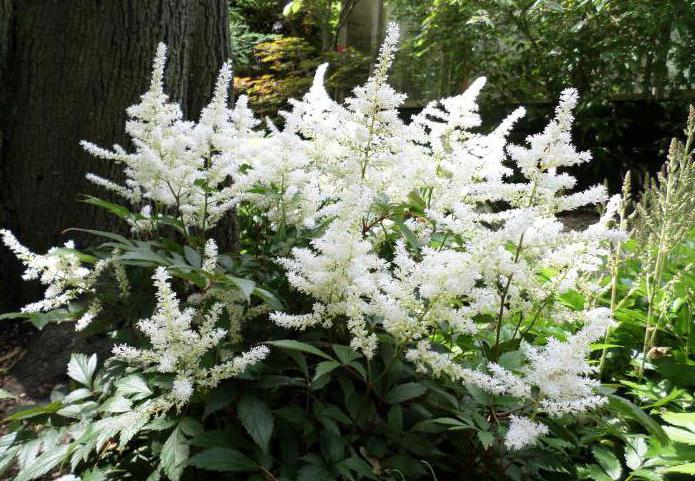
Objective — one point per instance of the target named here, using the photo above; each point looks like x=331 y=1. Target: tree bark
x=70 y=71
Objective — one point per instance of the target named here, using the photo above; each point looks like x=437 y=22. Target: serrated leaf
x=395 y=418
x=345 y=353
x=174 y=454
x=625 y=407
x=43 y=464
x=246 y=286
x=647 y=475
x=219 y=398
x=608 y=461
x=133 y=385
x=257 y=419
x=593 y=471
x=405 y=392
x=190 y=426
x=77 y=395
x=486 y=438
x=325 y=367
x=683 y=420
x=224 y=460
x=78 y=410
x=635 y=451
x=687 y=468
x=94 y=475
x=332 y=447
x=116 y=404
x=359 y=466
x=680 y=435
x=35 y=411
x=82 y=368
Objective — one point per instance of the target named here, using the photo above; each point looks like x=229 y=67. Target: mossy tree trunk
x=69 y=70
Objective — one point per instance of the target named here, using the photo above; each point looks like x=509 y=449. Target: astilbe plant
x=433 y=237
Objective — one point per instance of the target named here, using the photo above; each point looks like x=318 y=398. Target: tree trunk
x=68 y=70
x=71 y=69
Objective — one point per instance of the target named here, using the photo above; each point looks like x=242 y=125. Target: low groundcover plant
x=421 y=263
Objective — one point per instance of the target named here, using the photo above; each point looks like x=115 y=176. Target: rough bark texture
x=68 y=70
x=71 y=69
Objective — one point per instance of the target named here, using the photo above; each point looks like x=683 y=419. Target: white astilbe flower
x=433 y=231
x=60 y=270
x=210 y=256
x=182 y=390
x=65 y=276
x=178 y=166
x=178 y=345
x=560 y=370
x=523 y=432
x=340 y=164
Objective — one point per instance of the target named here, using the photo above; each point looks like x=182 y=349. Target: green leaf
x=6 y=394
x=687 y=468
x=273 y=301
x=192 y=256
x=325 y=367
x=94 y=475
x=81 y=368
x=133 y=385
x=43 y=464
x=292 y=7
x=486 y=438
x=684 y=420
x=219 y=398
x=608 y=461
x=593 y=471
x=332 y=447
x=635 y=451
x=156 y=475
x=680 y=435
x=257 y=419
x=395 y=418
x=404 y=392
x=647 y=475
x=108 y=235
x=628 y=409
x=359 y=466
x=246 y=286
x=33 y=412
x=345 y=353
x=223 y=459
x=191 y=426
x=300 y=346
x=174 y=454
x=116 y=209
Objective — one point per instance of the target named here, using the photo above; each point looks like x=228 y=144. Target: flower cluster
x=178 y=345
x=482 y=254
x=60 y=270
x=179 y=167
x=434 y=232
x=65 y=276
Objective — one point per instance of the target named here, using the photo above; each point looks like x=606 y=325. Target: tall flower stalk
x=664 y=216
